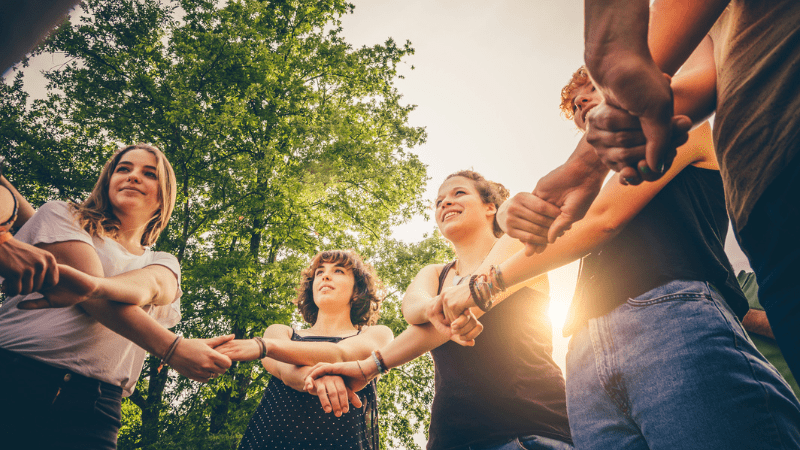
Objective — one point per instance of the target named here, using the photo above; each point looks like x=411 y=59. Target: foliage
x=285 y=140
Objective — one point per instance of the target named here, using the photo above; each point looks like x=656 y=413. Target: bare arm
x=192 y=358
x=24 y=209
x=151 y=285
x=755 y=321
x=281 y=348
x=607 y=216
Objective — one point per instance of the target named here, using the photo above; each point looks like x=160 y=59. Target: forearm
x=755 y=321
x=24 y=209
x=291 y=375
x=412 y=343
x=615 y=32
x=415 y=303
x=152 y=285
x=132 y=323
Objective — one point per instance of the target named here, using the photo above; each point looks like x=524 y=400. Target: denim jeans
x=532 y=442
x=48 y=408
x=771 y=241
x=674 y=369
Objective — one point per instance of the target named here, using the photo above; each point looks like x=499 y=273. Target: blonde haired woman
x=63 y=372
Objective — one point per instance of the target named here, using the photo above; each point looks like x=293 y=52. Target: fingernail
x=661 y=166
x=645 y=169
x=628 y=180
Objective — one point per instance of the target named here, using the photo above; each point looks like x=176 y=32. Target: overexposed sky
x=486 y=81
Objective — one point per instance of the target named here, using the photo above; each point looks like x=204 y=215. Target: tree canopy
x=285 y=140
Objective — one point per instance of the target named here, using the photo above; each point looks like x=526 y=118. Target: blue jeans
x=674 y=369
x=532 y=442
x=772 y=244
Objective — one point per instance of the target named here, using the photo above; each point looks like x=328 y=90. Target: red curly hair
x=579 y=79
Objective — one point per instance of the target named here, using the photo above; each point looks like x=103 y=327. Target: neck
x=333 y=324
x=471 y=252
x=130 y=233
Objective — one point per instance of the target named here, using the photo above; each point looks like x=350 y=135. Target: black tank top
x=504 y=387
x=290 y=420
x=678 y=235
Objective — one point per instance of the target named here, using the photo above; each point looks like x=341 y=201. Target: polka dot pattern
x=288 y=419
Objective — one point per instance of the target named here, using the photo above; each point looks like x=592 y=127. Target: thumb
x=355 y=400
x=658 y=146
x=219 y=340
x=560 y=225
x=40 y=303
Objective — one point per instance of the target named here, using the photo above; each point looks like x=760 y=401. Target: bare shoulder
x=381 y=331
x=278 y=331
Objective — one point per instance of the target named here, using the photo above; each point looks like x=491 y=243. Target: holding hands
x=198 y=359
x=451 y=315
x=336 y=384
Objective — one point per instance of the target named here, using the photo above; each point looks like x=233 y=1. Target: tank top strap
x=443 y=275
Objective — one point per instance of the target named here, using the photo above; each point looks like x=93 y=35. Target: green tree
x=285 y=140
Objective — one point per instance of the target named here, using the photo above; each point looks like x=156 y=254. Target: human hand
x=196 y=358
x=538 y=217
x=334 y=396
x=354 y=376
x=573 y=186
x=633 y=130
x=240 y=349
x=73 y=287
x=465 y=329
x=25 y=268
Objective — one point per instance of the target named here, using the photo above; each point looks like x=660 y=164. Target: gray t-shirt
x=757 y=126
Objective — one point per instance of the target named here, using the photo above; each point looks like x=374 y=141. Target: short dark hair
x=366 y=300
x=489 y=191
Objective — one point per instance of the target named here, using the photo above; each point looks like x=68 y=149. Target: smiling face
x=333 y=285
x=459 y=207
x=586 y=97
x=133 y=187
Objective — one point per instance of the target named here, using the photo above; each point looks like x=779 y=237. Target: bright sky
x=486 y=81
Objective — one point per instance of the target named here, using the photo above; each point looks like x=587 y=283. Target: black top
x=289 y=419
x=504 y=387
x=678 y=235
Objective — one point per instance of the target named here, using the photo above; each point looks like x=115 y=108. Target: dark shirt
x=678 y=235
x=290 y=420
x=504 y=387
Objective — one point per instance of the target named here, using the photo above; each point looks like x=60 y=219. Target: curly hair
x=96 y=215
x=366 y=301
x=579 y=79
x=489 y=191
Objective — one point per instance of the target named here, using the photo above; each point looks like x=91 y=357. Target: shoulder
x=379 y=331
x=165 y=259
x=278 y=331
x=53 y=222
x=432 y=270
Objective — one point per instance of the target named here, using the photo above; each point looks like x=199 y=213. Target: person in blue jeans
x=658 y=358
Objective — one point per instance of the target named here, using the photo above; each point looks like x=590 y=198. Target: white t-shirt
x=67 y=337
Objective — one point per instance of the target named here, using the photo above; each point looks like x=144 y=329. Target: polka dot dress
x=288 y=419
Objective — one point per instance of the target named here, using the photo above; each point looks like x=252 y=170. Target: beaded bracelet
x=482 y=292
x=379 y=362
x=383 y=363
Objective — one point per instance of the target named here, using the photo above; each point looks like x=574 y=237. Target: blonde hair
x=95 y=214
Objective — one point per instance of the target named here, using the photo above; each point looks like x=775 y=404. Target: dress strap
x=443 y=275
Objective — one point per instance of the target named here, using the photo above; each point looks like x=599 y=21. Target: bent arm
x=24 y=209
x=310 y=353
x=615 y=206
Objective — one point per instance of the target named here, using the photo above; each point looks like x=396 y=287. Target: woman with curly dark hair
x=338 y=296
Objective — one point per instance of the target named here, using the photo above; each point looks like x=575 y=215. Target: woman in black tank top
x=337 y=296
x=503 y=389
x=658 y=358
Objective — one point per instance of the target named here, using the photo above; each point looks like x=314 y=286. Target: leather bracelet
x=481 y=292
x=170 y=351
x=6 y=226
x=262 y=345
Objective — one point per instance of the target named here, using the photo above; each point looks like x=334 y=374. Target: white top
x=67 y=337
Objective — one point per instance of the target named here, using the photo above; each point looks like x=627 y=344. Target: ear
x=491 y=209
